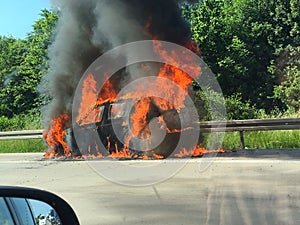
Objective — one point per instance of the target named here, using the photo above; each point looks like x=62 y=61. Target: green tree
x=287 y=68
x=12 y=52
x=239 y=39
x=19 y=92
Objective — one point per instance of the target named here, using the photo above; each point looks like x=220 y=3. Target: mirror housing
x=62 y=208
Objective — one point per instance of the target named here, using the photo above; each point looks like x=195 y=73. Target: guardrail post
x=242 y=139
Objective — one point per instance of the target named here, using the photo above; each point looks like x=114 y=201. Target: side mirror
x=30 y=206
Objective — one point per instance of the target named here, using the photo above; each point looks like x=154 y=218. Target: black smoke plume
x=88 y=28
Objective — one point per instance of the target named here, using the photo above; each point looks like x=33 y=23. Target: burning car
x=111 y=132
x=139 y=124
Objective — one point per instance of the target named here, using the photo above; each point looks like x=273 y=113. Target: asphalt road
x=223 y=190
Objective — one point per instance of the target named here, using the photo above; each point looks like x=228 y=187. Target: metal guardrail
x=19 y=135
x=205 y=127
x=250 y=125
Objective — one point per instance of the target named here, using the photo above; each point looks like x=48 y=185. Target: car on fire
x=111 y=122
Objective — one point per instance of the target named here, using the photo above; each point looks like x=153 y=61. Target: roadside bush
x=20 y=122
x=237 y=109
x=9 y=124
x=287 y=68
x=240 y=110
x=31 y=121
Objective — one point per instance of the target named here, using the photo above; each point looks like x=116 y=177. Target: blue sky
x=18 y=16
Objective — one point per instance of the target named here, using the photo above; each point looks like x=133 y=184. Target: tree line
x=252 y=46
x=22 y=64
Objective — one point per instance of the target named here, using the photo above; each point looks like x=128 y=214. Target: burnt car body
x=111 y=127
x=102 y=126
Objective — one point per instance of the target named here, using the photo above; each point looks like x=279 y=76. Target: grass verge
x=22 y=146
x=281 y=139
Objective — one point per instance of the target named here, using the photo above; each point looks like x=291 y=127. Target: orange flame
x=55 y=136
x=125 y=153
x=139 y=118
x=88 y=111
x=198 y=152
x=108 y=93
x=88 y=99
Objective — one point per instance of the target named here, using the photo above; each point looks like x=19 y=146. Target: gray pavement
x=232 y=190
